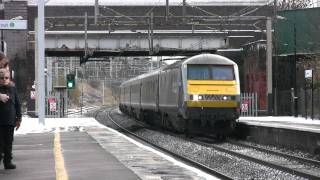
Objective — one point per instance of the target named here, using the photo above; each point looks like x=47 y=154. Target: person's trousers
x=6 y=140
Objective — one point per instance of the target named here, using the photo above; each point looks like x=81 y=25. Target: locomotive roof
x=198 y=59
x=137 y=78
x=202 y=59
x=209 y=59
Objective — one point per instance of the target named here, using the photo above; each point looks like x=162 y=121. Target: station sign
x=245 y=105
x=52 y=104
x=13 y=24
x=308 y=73
x=33 y=95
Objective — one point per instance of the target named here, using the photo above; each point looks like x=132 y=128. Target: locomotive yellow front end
x=213 y=99
x=212 y=92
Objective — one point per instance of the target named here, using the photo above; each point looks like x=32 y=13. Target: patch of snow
x=295 y=120
x=32 y=125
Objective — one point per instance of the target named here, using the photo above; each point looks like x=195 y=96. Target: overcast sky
x=150 y=2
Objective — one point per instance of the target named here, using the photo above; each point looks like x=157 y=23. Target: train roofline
x=208 y=59
x=142 y=76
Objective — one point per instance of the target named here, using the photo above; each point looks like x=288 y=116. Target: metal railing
x=55 y=106
x=249 y=104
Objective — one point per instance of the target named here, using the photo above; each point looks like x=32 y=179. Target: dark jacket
x=11 y=110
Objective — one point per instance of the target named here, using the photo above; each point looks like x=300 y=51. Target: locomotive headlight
x=225 y=97
x=195 y=97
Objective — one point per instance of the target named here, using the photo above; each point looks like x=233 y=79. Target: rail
x=185 y=159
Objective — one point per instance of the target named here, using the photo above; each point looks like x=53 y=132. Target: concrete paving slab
x=85 y=159
x=33 y=155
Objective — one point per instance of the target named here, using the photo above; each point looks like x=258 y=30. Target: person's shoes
x=9 y=166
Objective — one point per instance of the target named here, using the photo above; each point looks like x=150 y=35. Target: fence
x=249 y=104
x=56 y=106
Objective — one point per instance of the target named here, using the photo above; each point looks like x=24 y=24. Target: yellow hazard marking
x=61 y=172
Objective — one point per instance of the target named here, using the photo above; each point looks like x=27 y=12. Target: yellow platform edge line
x=61 y=172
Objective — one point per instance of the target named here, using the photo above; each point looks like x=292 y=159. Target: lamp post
x=269 y=65
x=295 y=98
x=41 y=60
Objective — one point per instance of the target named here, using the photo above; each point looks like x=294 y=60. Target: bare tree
x=292 y=4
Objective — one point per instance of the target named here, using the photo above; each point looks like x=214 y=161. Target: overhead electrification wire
x=244 y=13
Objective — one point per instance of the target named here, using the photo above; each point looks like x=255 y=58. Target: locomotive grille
x=212 y=97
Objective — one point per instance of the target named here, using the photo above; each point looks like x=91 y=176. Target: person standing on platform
x=10 y=117
x=4 y=64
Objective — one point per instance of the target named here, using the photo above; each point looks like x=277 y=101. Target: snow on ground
x=286 y=122
x=291 y=119
x=32 y=125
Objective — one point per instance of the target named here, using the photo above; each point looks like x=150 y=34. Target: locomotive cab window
x=222 y=73
x=198 y=72
x=210 y=72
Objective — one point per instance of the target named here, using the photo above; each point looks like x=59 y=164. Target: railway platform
x=289 y=132
x=284 y=122
x=81 y=148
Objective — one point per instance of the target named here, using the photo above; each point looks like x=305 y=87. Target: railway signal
x=71 y=82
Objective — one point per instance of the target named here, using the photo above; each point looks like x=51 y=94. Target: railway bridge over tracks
x=127 y=43
x=139 y=28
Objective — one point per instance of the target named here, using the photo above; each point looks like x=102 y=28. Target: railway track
x=278 y=153
x=79 y=111
x=296 y=166
x=306 y=168
x=185 y=159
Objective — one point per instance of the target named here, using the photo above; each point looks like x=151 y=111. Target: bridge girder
x=126 y=43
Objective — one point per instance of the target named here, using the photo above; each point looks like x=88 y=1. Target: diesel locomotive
x=200 y=94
